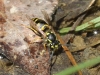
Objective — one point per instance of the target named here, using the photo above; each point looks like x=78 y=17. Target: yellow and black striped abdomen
x=36 y=20
x=41 y=24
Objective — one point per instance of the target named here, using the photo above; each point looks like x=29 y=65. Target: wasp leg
x=50 y=53
x=53 y=60
x=45 y=46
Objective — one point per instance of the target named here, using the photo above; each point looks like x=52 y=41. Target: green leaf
x=97 y=25
x=90 y=23
x=74 y=69
x=64 y=30
x=95 y=22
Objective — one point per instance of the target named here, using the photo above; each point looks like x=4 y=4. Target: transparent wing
x=46 y=17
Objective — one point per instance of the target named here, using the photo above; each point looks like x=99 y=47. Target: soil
x=22 y=52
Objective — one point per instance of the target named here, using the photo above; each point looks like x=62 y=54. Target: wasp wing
x=46 y=17
x=33 y=26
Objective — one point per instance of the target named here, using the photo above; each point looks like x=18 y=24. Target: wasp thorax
x=51 y=37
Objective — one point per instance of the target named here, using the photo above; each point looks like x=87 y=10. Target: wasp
x=44 y=30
